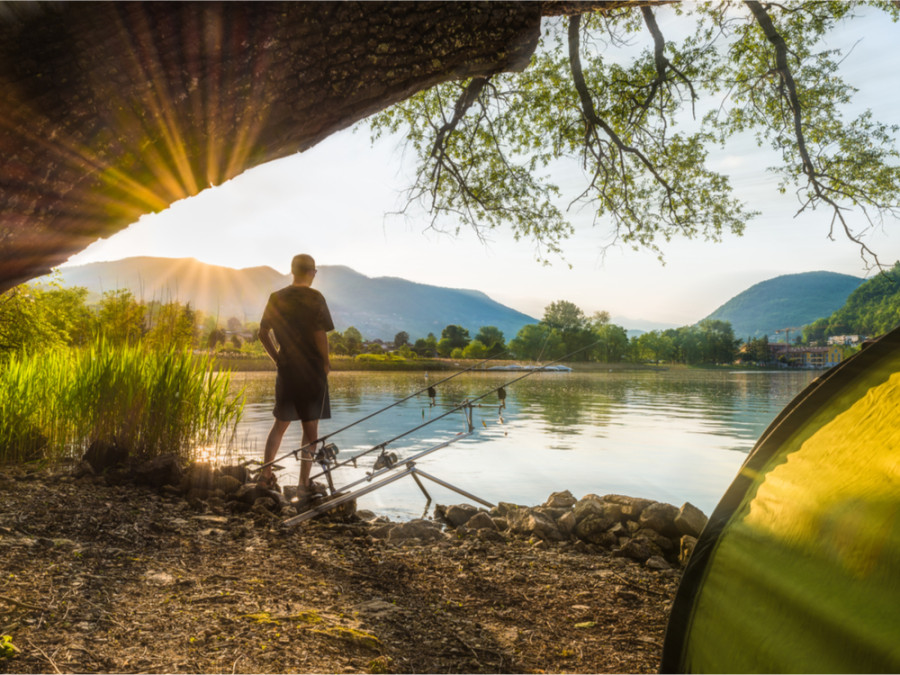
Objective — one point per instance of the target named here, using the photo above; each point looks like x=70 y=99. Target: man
x=298 y=317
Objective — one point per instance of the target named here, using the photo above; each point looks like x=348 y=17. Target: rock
x=250 y=492
x=593 y=526
x=415 y=529
x=552 y=513
x=561 y=500
x=366 y=515
x=532 y=523
x=664 y=543
x=241 y=473
x=503 y=509
x=660 y=517
x=159 y=578
x=103 y=455
x=481 y=521
x=690 y=520
x=227 y=484
x=198 y=476
x=655 y=562
x=566 y=524
x=159 y=471
x=639 y=549
x=459 y=514
x=593 y=506
x=632 y=507
x=501 y=523
x=686 y=548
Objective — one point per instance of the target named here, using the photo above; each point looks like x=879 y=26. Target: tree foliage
x=871 y=310
x=486 y=147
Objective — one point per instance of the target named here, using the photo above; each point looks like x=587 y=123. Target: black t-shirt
x=294 y=314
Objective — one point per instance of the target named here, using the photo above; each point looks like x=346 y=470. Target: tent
x=798 y=569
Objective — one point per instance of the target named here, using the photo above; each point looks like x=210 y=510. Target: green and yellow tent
x=798 y=569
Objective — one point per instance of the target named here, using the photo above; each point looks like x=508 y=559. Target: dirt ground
x=106 y=578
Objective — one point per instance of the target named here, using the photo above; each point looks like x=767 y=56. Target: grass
x=55 y=403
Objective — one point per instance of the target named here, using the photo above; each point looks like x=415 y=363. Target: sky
x=335 y=202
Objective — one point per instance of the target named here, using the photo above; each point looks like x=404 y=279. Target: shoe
x=268 y=483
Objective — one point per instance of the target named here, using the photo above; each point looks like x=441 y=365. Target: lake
x=671 y=435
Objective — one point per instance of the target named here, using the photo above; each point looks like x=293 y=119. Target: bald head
x=303 y=266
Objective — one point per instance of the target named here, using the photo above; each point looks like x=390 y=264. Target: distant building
x=806 y=357
x=846 y=340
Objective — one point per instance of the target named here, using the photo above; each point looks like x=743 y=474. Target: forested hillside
x=870 y=310
x=788 y=301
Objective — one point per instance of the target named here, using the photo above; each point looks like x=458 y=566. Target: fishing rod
x=429 y=389
x=408 y=465
x=468 y=403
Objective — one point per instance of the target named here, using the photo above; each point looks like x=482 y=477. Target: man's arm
x=321 y=338
x=265 y=338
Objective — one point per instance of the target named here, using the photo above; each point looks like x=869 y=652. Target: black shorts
x=301 y=400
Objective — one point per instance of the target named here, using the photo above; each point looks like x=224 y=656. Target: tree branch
x=788 y=92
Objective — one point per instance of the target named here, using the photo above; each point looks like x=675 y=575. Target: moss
x=353 y=635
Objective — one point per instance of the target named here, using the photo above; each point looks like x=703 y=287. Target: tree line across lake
x=38 y=317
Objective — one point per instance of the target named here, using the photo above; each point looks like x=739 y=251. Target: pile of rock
x=223 y=488
x=654 y=533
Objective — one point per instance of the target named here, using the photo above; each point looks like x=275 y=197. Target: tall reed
x=53 y=405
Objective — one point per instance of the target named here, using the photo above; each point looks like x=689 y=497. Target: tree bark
x=113 y=110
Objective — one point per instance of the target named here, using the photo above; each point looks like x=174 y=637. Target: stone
x=198 y=476
x=566 y=524
x=227 y=484
x=159 y=471
x=159 y=579
x=593 y=506
x=593 y=526
x=459 y=514
x=660 y=517
x=532 y=523
x=690 y=520
x=503 y=509
x=366 y=515
x=639 y=549
x=415 y=529
x=563 y=500
x=103 y=455
x=632 y=507
x=664 y=543
x=686 y=548
x=551 y=512
x=655 y=562
x=481 y=521
x=241 y=473
x=490 y=535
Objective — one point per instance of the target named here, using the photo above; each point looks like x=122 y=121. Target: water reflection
x=675 y=435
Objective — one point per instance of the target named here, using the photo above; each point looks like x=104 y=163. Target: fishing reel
x=386 y=460
x=327 y=454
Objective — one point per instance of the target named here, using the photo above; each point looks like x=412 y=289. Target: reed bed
x=54 y=404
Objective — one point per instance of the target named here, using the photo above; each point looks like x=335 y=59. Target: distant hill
x=379 y=307
x=788 y=301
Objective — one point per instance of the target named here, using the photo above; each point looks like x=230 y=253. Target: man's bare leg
x=273 y=442
x=310 y=434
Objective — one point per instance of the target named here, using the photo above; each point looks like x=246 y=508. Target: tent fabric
x=798 y=569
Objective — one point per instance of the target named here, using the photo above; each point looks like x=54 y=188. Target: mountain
x=788 y=301
x=379 y=307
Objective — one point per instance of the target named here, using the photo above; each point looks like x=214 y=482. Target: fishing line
x=430 y=388
x=467 y=403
